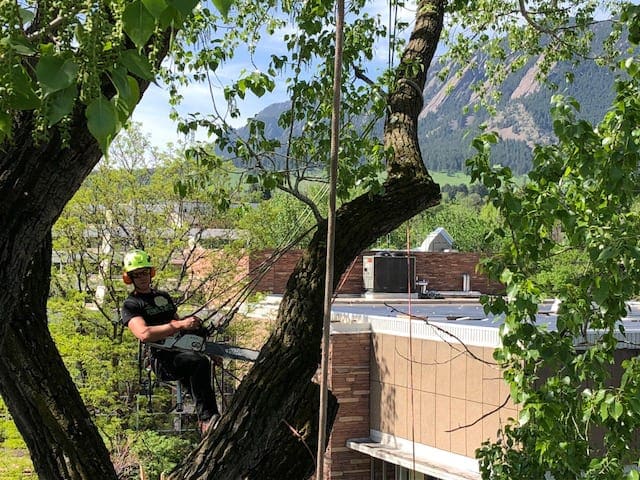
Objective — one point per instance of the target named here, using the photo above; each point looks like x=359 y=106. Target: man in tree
x=151 y=315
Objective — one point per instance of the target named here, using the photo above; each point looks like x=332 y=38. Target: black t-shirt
x=156 y=307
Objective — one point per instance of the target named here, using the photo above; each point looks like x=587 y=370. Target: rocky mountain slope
x=448 y=122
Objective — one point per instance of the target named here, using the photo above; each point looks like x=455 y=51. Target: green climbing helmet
x=136 y=259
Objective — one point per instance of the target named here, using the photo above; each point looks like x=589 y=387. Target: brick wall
x=444 y=271
x=349 y=381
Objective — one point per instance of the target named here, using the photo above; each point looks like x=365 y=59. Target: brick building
x=444 y=271
x=416 y=398
x=415 y=404
x=412 y=407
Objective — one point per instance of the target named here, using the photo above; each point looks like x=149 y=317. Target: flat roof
x=452 y=319
x=462 y=322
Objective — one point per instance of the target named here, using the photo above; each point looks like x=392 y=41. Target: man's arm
x=153 y=333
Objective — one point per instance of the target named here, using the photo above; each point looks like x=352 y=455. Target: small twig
x=446 y=332
x=404 y=357
x=52 y=26
x=359 y=73
x=482 y=417
x=299 y=436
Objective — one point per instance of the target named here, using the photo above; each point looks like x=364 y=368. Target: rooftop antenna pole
x=328 y=286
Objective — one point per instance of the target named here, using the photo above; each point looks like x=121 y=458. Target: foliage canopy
x=584 y=187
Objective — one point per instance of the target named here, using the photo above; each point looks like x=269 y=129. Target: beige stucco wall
x=436 y=393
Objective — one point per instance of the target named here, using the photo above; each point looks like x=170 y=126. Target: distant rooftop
x=437 y=241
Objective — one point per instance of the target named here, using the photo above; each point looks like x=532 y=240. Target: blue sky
x=153 y=111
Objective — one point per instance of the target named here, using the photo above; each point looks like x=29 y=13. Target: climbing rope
x=328 y=291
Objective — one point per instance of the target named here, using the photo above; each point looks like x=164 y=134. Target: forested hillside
x=448 y=121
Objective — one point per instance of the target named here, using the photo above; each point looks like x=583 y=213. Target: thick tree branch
x=250 y=438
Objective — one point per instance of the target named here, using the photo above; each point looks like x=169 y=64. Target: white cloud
x=153 y=110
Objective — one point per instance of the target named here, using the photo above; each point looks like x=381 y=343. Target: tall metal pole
x=331 y=222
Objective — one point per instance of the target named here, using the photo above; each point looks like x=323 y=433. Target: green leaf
x=223 y=6
x=102 y=121
x=128 y=89
x=180 y=189
x=137 y=64
x=601 y=290
x=26 y=15
x=185 y=7
x=20 y=46
x=606 y=253
x=156 y=7
x=5 y=126
x=616 y=410
x=506 y=276
x=61 y=104
x=524 y=417
x=55 y=73
x=22 y=96
x=169 y=16
x=138 y=23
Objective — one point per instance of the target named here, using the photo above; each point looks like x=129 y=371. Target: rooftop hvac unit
x=389 y=273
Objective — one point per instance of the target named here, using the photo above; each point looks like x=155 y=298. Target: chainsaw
x=195 y=343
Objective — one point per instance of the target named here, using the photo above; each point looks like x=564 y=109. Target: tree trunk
x=37 y=181
x=41 y=395
x=270 y=429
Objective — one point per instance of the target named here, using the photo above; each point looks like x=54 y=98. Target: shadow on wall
x=436 y=393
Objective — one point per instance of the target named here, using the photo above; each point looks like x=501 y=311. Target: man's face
x=141 y=278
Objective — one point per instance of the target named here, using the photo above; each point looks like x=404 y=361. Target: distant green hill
x=522 y=118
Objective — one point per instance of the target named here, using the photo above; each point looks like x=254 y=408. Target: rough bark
x=42 y=397
x=37 y=179
x=253 y=439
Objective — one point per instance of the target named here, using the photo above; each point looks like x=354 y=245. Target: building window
x=406 y=474
x=381 y=470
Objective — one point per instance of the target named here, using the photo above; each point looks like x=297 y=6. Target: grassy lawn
x=443 y=178
x=15 y=464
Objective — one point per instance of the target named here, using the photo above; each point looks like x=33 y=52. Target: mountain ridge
x=447 y=124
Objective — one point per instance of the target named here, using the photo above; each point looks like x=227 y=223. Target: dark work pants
x=194 y=370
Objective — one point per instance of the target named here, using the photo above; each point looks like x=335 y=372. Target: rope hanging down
x=219 y=319
x=328 y=291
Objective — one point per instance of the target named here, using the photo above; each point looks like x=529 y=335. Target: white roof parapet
x=428 y=460
x=481 y=336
